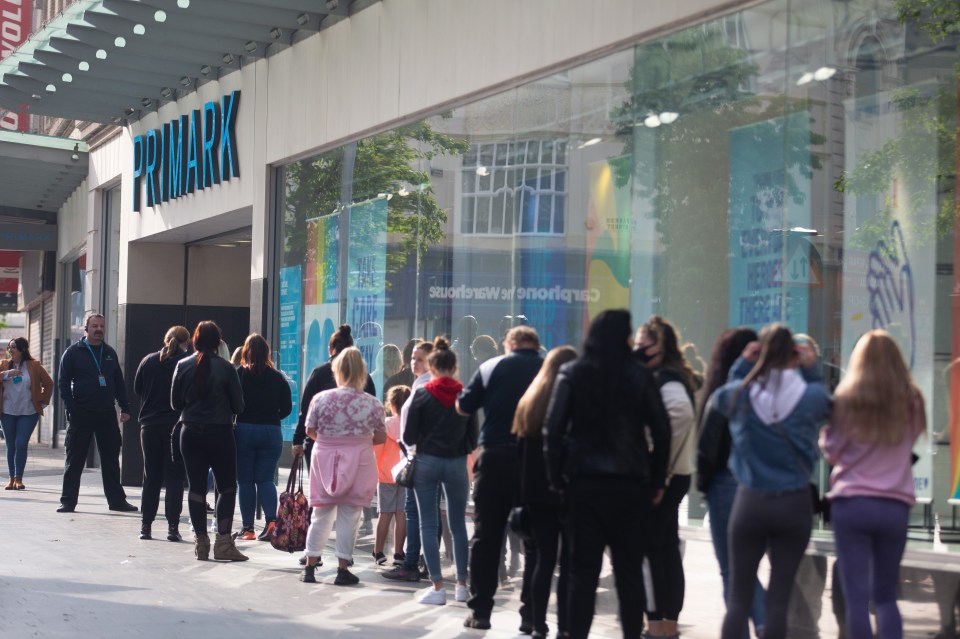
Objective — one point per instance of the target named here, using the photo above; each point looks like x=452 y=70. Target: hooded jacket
x=774 y=426
x=433 y=424
x=152 y=384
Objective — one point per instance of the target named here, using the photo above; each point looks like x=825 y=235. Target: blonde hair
x=349 y=368
x=532 y=408
x=875 y=398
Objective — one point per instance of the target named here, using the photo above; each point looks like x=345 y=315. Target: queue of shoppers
x=576 y=453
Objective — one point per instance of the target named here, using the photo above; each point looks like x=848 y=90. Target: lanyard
x=95 y=361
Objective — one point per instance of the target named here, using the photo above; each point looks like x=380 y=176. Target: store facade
x=783 y=161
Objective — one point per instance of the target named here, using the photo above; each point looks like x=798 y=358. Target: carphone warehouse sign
x=188 y=154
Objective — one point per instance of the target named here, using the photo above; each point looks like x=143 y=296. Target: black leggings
x=159 y=469
x=775 y=523
x=663 y=553
x=206 y=446
x=605 y=511
x=539 y=561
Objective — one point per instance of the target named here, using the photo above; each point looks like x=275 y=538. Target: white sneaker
x=462 y=593
x=433 y=597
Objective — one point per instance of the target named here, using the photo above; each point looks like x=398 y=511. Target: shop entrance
x=184 y=278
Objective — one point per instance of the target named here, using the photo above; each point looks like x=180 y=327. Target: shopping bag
x=293 y=514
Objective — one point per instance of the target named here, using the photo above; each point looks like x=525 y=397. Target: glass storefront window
x=791 y=162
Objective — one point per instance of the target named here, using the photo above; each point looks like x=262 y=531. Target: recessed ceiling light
x=146 y=102
x=160 y=16
x=250 y=46
x=165 y=93
x=183 y=4
x=205 y=69
x=84 y=65
x=139 y=29
x=302 y=19
x=51 y=88
x=120 y=42
x=227 y=58
x=66 y=77
x=185 y=81
x=101 y=54
x=275 y=33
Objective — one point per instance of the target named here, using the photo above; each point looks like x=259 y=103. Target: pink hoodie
x=343 y=470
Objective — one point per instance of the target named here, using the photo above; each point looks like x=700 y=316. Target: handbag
x=403 y=471
x=293 y=514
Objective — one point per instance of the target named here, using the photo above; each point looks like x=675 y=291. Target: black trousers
x=85 y=426
x=159 y=469
x=663 y=553
x=495 y=483
x=205 y=447
x=539 y=561
x=606 y=511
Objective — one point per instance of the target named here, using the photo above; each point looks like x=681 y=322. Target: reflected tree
x=926 y=150
x=384 y=165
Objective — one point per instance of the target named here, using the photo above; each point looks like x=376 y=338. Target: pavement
x=87 y=574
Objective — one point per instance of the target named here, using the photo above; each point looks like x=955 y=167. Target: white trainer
x=462 y=593
x=433 y=597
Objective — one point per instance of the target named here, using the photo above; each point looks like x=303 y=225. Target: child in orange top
x=391 y=498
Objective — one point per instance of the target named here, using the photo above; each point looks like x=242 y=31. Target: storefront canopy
x=37 y=175
x=110 y=61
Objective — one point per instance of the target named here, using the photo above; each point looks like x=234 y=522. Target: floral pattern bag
x=293 y=514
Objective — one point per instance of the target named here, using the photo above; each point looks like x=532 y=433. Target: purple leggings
x=870 y=533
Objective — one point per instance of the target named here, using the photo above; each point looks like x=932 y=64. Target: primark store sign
x=188 y=154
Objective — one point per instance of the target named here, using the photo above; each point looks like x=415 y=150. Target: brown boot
x=18 y=483
x=12 y=484
x=201 y=547
x=225 y=550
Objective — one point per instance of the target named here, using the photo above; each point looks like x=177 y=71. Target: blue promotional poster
x=769 y=265
x=366 y=280
x=291 y=311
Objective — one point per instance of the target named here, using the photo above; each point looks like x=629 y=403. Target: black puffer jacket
x=595 y=430
x=224 y=397
x=713 y=448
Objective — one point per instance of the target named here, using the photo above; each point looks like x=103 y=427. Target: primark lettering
x=188 y=154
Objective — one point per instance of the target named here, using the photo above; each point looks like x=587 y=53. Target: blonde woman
x=878 y=414
x=544 y=505
x=345 y=422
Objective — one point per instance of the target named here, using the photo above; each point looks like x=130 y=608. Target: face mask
x=642 y=356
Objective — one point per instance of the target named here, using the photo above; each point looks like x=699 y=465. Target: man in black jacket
x=91 y=385
x=496 y=387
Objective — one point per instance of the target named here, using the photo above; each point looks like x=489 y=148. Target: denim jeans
x=720 y=497
x=17 y=430
x=258 y=451
x=450 y=473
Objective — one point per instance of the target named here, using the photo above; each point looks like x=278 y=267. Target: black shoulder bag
x=821 y=505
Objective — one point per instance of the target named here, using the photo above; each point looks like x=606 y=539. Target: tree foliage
x=384 y=164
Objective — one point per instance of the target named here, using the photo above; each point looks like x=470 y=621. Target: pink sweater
x=871 y=470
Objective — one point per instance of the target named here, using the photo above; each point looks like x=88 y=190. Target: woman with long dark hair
x=878 y=414
x=544 y=505
x=24 y=393
x=157 y=421
x=443 y=438
x=266 y=401
x=658 y=348
x=207 y=391
x=774 y=413
x=714 y=478
x=596 y=449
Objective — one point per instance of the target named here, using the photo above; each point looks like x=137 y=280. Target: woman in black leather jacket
x=207 y=391
x=597 y=454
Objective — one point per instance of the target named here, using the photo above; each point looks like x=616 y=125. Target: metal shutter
x=35 y=328
x=46 y=353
